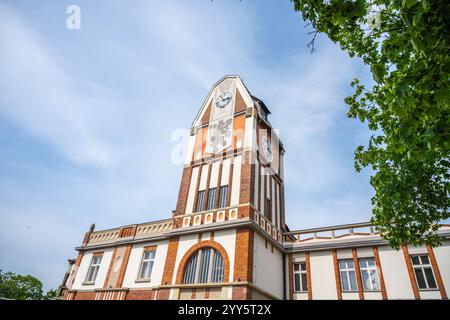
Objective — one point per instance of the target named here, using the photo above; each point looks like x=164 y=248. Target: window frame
x=211 y=202
x=422 y=266
x=91 y=265
x=223 y=196
x=367 y=269
x=198 y=270
x=200 y=201
x=300 y=273
x=146 y=250
x=347 y=271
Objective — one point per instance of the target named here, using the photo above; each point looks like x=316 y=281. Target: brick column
x=308 y=275
x=337 y=275
x=412 y=278
x=437 y=273
x=380 y=273
x=358 y=274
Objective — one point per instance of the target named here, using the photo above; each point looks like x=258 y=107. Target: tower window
x=300 y=279
x=223 y=197
x=200 y=200
x=424 y=273
x=268 y=209
x=348 y=275
x=369 y=274
x=205 y=266
x=93 y=268
x=145 y=271
x=211 y=199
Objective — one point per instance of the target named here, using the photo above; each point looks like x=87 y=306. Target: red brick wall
x=243 y=260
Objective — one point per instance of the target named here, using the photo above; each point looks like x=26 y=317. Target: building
x=228 y=238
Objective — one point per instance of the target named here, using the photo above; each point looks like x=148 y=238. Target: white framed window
x=300 y=277
x=348 y=275
x=211 y=199
x=223 y=196
x=200 y=201
x=424 y=272
x=205 y=266
x=145 y=270
x=369 y=274
x=93 y=268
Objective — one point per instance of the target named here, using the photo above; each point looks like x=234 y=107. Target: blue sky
x=86 y=116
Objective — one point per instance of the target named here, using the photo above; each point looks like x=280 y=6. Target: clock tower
x=233 y=172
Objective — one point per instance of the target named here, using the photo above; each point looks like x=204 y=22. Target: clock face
x=267 y=149
x=223 y=99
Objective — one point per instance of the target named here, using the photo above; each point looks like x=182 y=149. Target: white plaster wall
x=227 y=238
x=395 y=273
x=269 y=267
x=225 y=172
x=190 y=149
x=375 y=295
x=262 y=198
x=214 y=174
x=427 y=295
x=323 y=281
x=83 y=269
x=442 y=255
x=236 y=184
x=184 y=244
x=250 y=124
x=192 y=190
x=350 y=296
x=204 y=176
x=134 y=263
x=256 y=194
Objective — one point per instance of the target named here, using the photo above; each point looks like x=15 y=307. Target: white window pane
x=352 y=277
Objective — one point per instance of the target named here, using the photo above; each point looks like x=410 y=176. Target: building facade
x=228 y=238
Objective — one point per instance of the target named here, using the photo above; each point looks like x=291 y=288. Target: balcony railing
x=331 y=232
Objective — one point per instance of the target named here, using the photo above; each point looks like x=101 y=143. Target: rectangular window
x=348 y=275
x=200 y=201
x=93 y=268
x=268 y=209
x=369 y=274
x=211 y=199
x=223 y=196
x=300 y=279
x=145 y=271
x=424 y=272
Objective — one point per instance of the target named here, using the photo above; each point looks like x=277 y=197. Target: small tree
x=20 y=287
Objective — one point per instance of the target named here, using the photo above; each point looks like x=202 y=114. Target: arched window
x=205 y=266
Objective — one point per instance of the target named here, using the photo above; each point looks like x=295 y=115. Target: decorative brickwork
x=184 y=190
x=170 y=262
x=243 y=257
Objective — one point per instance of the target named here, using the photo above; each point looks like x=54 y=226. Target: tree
x=20 y=287
x=406 y=43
